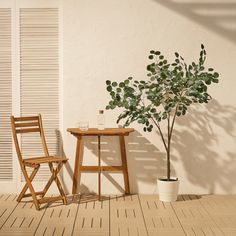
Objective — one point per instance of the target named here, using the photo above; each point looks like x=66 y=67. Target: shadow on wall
x=145 y=161
x=67 y=166
x=218 y=16
x=195 y=142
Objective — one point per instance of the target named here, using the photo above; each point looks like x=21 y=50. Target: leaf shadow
x=145 y=161
x=216 y=16
x=197 y=143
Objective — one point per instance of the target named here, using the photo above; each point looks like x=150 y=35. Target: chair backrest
x=28 y=124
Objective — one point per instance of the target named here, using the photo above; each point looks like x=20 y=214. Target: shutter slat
x=6 y=172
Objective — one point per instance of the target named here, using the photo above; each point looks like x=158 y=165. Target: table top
x=98 y=132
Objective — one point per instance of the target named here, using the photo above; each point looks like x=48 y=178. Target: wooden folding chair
x=22 y=125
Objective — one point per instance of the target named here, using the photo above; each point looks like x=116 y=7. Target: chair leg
x=30 y=186
x=48 y=184
x=21 y=195
x=57 y=181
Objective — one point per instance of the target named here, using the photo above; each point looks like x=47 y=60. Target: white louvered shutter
x=6 y=168
x=39 y=78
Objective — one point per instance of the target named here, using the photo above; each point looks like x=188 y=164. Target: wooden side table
x=78 y=168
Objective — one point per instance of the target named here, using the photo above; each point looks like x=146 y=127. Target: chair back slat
x=27 y=130
x=29 y=124
x=26 y=118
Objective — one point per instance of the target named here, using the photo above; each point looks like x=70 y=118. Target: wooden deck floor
x=136 y=215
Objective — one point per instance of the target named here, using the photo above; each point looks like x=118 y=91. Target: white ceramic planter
x=168 y=190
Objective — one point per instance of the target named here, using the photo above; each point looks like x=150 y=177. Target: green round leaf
x=127 y=82
x=163 y=75
x=150 y=57
x=176 y=54
x=149 y=67
x=109 y=88
x=121 y=84
x=118 y=98
x=215 y=80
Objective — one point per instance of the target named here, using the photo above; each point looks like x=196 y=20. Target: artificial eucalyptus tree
x=167 y=93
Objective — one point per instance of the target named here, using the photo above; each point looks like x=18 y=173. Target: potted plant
x=167 y=93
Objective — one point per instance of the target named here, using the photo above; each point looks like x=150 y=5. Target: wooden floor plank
x=222 y=210
x=59 y=219
x=135 y=215
x=159 y=217
x=193 y=217
x=126 y=217
x=7 y=206
x=23 y=220
x=93 y=217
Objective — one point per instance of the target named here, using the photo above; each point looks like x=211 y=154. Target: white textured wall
x=110 y=39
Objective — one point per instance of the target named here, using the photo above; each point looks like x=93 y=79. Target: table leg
x=124 y=164
x=78 y=159
x=99 y=167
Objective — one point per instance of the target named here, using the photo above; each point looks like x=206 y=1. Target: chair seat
x=45 y=159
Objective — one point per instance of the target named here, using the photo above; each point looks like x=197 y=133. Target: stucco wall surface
x=110 y=39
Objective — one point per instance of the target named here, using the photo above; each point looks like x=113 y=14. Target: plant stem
x=173 y=121
x=170 y=130
x=159 y=129
x=168 y=148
